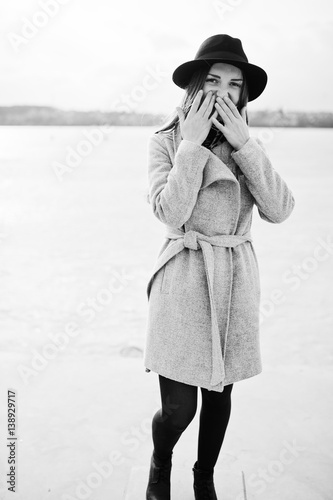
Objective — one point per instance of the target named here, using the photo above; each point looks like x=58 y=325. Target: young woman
x=205 y=175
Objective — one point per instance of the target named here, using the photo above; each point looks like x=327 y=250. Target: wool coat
x=204 y=290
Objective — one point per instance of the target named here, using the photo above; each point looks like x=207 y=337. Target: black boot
x=159 y=479
x=203 y=484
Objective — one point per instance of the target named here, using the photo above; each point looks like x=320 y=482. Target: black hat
x=223 y=48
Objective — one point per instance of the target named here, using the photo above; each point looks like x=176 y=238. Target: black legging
x=179 y=405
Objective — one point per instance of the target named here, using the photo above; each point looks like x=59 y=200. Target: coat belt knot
x=190 y=240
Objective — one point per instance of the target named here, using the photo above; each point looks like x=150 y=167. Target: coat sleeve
x=273 y=198
x=173 y=188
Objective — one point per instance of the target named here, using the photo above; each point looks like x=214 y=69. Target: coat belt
x=194 y=240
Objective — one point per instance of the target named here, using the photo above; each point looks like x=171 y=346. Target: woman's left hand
x=234 y=127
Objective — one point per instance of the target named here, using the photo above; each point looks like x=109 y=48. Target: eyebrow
x=217 y=76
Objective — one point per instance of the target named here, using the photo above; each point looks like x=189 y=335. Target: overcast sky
x=101 y=54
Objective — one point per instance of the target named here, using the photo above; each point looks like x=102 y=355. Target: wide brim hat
x=222 y=48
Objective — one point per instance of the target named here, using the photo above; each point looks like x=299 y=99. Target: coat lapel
x=216 y=169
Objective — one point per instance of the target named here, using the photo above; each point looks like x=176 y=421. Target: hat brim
x=255 y=76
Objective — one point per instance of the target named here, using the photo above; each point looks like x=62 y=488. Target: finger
x=206 y=102
x=196 y=103
x=222 y=110
x=210 y=106
x=243 y=113
x=231 y=106
x=215 y=114
x=181 y=115
x=225 y=109
x=218 y=124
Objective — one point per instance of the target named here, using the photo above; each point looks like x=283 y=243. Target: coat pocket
x=168 y=272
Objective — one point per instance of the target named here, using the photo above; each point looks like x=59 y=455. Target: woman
x=205 y=175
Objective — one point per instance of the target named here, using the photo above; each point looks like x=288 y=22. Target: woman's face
x=224 y=79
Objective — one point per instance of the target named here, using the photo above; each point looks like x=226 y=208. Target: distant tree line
x=47 y=115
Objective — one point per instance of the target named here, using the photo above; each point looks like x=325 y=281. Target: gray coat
x=204 y=290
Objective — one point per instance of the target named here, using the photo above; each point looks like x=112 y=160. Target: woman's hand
x=196 y=126
x=234 y=126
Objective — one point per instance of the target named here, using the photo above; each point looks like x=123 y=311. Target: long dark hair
x=196 y=83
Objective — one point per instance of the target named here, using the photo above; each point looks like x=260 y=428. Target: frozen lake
x=77 y=247
x=65 y=232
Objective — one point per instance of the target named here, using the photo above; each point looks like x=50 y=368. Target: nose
x=222 y=93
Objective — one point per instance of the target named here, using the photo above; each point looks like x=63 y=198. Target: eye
x=211 y=80
x=235 y=84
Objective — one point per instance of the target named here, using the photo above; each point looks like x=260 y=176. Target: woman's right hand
x=196 y=126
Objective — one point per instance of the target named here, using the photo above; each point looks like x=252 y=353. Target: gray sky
x=101 y=54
